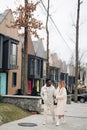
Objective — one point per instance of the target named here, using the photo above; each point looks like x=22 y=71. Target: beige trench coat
x=61 y=97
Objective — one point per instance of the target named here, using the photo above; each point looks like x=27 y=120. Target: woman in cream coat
x=61 y=97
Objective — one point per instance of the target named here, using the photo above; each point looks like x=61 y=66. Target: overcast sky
x=63 y=12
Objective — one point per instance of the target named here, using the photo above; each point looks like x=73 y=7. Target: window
x=52 y=73
x=13 y=54
x=56 y=74
x=14 y=79
x=0 y=84
x=38 y=67
x=0 y=45
x=0 y=53
x=44 y=68
x=32 y=66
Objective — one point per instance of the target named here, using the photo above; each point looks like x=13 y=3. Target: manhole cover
x=27 y=124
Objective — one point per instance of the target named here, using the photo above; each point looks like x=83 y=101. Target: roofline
x=5 y=14
x=9 y=37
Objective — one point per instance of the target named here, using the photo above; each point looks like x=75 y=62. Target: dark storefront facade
x=36 y=74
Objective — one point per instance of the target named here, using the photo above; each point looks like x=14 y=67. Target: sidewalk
x=76 y=119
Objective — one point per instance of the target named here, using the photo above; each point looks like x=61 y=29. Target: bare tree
x=81 y=58
x=25 y=19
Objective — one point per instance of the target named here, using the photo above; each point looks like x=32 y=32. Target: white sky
x=63 y=13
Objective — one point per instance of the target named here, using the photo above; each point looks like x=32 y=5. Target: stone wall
x=31 y=103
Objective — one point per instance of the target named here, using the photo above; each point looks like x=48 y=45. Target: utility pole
x=77 y=56
x=47 y=31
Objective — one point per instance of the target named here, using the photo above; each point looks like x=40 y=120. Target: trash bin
x=68 y=99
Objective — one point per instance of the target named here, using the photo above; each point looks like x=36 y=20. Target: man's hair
x=47 y=80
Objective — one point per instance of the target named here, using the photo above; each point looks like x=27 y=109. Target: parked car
x=81 y=97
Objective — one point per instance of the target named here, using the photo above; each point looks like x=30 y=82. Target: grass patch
x=11 y=112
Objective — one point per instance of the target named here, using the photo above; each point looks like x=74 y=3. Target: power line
x=55 y=26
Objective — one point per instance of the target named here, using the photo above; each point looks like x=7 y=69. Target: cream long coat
x=47 y=94
x=61 y=97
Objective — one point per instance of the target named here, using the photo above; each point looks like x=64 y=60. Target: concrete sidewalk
x=75 y=114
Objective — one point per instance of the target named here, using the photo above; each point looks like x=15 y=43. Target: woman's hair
x=62 y=83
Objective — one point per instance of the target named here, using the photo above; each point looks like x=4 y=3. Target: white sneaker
x=57 y=124
x=44 y=123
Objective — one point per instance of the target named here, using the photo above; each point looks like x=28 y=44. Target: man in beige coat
x=47 y=94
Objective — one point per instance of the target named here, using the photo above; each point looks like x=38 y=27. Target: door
x=30 y=83
x=3 y=77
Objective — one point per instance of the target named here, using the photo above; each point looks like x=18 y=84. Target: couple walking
x=48 y=93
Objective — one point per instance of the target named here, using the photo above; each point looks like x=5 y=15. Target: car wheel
x=82 y=100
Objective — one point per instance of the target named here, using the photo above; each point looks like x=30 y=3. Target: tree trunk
x=25 y=73
x=77 y=42
x=47 y=66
